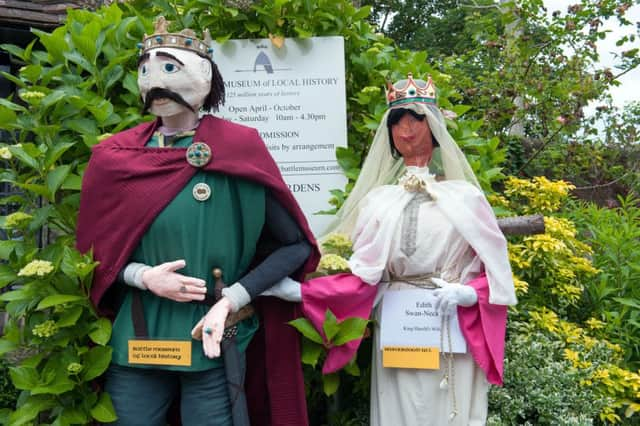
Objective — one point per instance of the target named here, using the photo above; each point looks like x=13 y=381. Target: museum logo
x=262 y=62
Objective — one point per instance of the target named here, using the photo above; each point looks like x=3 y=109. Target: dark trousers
x=143 y=396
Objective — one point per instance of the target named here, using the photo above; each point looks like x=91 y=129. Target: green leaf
x=302 y=33
x=4 y=415
x=102 y=111
x=30 y=409
x=330 y=325
x=460 y=109
x=7 y=117
x=86 y=39
x=55 y=152
x=59 y=386
x=330 y=383
x=56 y=177
x=14 y=50
x=131 y=84
x=350 y=329
x=52 y=98
x=31 y=72
x=54 y=42
x=223 y=39
x=103 y=411
x=71 y=259
x=252 y=27
x=348 y=159
x=14 y=295
x=70 y=316
x=8 y=104
x=352 y=367
x=96 y=362
x=311 y=352
x=113 y=76
x=7 y=346
x=307 y=329
x=57 y=299
x=15 y=80
x=24 y=378
x=73 y=416
x=30 y=159
x=40 y=216
x=101 y=331
x=33 y=361
x=362 y=13
x=80 y=60
x=72 y=182
x=7 y=275
x=627 y=302
x=36 y=189
x=7 y=247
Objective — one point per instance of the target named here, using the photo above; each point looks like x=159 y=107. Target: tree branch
x=522 y=225
x=544 y=145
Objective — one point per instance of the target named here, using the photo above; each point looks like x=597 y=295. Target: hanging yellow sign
x=411 y=357
x=160 y=352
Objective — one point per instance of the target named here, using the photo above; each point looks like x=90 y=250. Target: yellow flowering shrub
x=550 y=274
x=597 y=358
x=521 y=286
x=538 y=195
x=555 y=260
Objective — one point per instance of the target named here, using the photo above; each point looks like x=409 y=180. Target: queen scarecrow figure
x=413 y=231
x=191 y=221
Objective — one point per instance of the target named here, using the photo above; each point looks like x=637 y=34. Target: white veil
x=381 y=168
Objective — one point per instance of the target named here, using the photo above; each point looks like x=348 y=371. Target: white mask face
x=177 y=70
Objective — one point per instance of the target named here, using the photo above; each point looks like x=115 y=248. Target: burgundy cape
x=126 y=185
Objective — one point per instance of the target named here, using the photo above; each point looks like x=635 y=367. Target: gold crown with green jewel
x=185 y=39
x=410 y=91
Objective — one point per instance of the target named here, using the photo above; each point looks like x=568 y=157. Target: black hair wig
x=216 y=96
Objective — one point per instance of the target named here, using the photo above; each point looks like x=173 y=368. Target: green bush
x=614 y=296
x=79 y=88
x=541 y=386
x=554 y=275
x=8 y=393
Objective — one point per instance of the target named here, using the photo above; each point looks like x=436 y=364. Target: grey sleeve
x=131 y=274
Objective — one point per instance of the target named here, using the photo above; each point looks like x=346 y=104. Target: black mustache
x=160 y=93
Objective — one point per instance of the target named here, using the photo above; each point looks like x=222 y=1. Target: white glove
x=285 y=289
x=451 y=295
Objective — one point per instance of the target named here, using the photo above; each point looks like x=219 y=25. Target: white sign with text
x=409 y=318
x=295 y=96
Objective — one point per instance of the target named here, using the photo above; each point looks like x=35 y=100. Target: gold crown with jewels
x=410 y=91
x=185 y=39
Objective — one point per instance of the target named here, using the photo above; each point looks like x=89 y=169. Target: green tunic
x=220 y=232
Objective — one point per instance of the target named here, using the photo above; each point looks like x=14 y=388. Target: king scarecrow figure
x=191 y=222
